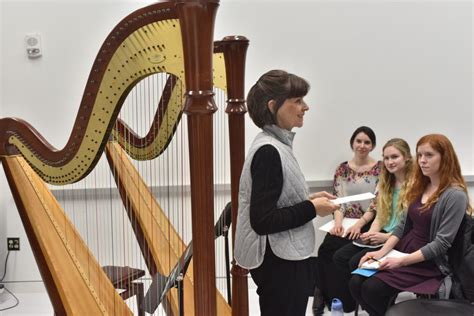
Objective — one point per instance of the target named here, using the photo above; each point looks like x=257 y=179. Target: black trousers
x=372 y=294
x=348 y=257
x=332 y=280
x=283 y=286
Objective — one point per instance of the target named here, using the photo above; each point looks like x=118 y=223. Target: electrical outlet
x=13 y=243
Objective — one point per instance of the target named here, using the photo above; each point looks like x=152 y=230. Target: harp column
x=235 y=50
x=197 y=29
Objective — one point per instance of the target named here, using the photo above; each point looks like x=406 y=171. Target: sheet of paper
x=374 y=265
x=346 y=223
x=353 y=198
x=360 y=243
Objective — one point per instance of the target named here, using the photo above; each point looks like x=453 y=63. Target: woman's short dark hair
x=277 y=85
x=367 y=131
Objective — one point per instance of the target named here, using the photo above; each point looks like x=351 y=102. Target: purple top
x=423 y=277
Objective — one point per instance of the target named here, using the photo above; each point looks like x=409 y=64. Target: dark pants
x=372 y=294
x=283 y=286
x=348 y=257
x=331 y=280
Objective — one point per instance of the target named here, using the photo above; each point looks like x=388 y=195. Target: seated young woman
x=358 y=175
x=437 y=200
x=390 y=204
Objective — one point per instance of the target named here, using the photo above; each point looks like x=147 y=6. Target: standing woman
x=275 y=235
x=438 y=200
x=397 y=169
x=358 y=175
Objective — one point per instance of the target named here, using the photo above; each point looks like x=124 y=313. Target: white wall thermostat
x=33 y=45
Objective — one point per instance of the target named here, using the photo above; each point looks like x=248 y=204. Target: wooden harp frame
x=72 y=163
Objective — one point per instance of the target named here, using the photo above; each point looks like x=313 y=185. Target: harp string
x=221 y=183
x=167 y=175
x=164 y=173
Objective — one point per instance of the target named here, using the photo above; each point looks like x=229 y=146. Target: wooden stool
x=123 y=279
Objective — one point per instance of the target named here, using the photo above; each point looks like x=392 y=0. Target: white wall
x=401 y=67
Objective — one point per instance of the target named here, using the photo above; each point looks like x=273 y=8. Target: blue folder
x=364 y=272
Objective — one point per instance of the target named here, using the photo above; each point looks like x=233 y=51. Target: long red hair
x=449 y=171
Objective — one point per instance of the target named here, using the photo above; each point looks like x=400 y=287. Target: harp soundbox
x=175 y=38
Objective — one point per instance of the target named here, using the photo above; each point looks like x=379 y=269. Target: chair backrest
x=461 y=258
x=432 y=307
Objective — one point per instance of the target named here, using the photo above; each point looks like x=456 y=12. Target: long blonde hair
x=387 y=183
x=449 y=171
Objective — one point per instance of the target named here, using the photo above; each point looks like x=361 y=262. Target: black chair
x=431 y=307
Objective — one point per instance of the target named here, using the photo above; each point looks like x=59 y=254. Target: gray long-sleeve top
x=447 y=215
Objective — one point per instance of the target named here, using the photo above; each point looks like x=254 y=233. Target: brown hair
x=277 y=85
x=449 y=171
x=367 y=131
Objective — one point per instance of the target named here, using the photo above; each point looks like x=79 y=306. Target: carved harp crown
x=175 y=38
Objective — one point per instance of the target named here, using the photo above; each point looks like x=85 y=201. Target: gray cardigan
x=448 y=213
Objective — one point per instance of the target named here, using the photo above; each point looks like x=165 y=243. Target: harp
x=174 y=38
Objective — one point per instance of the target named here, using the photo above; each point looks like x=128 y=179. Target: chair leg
x=356 y=311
